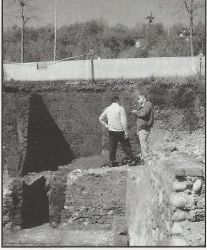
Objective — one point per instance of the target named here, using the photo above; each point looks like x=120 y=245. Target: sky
x=126 y=12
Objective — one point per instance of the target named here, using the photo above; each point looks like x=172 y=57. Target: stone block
x=5 y=218
x=181 y=200
x=177 y=229
x=8 y=226
x=187 y=170
x=197 y=185
x=179 y=186
x=184 y=165
x=179 y=242
x=111 y=212
x=179 y=216
x=201 y=203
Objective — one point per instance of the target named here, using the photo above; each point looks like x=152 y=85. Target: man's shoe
x=113 y=164
x=136 y=161
x=141 y=162
x=125 y=161
x=132 y=163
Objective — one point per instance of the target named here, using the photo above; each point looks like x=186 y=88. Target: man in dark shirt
x=145 y=122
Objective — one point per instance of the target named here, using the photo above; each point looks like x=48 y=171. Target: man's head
x=114 y=98
x=141 y=99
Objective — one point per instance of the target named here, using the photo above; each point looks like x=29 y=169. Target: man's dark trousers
x=114 y=138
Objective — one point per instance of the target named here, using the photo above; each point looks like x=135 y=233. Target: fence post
x=200 y=61
x=92 y=71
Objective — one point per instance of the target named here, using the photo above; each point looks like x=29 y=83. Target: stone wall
x=188 y=201
x=12 y=204
x=94 y=197
x=148 y=207
x=7 y=207
x=166 y=202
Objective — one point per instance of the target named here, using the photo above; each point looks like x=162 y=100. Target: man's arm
x=124 y=121
x=103 y=118
x=144 y=111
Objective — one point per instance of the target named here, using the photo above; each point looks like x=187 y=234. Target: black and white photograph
x=103 y=117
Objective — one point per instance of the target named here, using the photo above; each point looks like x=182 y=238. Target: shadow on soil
x=47 y=149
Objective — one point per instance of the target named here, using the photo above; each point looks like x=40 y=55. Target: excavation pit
x=35 y=207
x=47 y=127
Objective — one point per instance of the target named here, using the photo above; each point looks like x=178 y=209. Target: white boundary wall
x=131 y=68
x=146 y=67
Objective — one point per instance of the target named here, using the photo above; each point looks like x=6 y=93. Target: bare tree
x=193 y=8
x=13 y=10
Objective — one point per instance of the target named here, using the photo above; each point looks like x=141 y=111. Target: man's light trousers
x=143 y=138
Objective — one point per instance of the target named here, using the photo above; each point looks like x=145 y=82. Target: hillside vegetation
x=119 y=41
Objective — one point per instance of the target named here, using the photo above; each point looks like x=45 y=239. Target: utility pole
x=150 y=19
x=22 y=3
x=55 y=36
x=191 y=12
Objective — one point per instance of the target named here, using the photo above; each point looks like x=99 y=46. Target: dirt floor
x=193 y=143
x=44 y=235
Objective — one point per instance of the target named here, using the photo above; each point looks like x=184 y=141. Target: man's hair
x=114 y=98
x=144 y=97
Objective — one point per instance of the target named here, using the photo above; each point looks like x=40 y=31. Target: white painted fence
x=132 y=68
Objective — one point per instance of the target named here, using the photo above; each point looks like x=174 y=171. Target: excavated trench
x=47 y=192
x=56 y=159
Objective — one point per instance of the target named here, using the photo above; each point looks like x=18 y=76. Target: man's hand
x=126 y=134
x=134 y=111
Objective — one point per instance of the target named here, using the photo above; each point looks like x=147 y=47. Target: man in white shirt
x=114 y=119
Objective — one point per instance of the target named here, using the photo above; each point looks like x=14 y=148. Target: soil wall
x=47 y=130
x=44 y=131
x=61 y=120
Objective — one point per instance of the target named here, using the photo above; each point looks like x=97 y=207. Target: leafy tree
x=11 y=44
x=170 y=46
x=134 y=53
